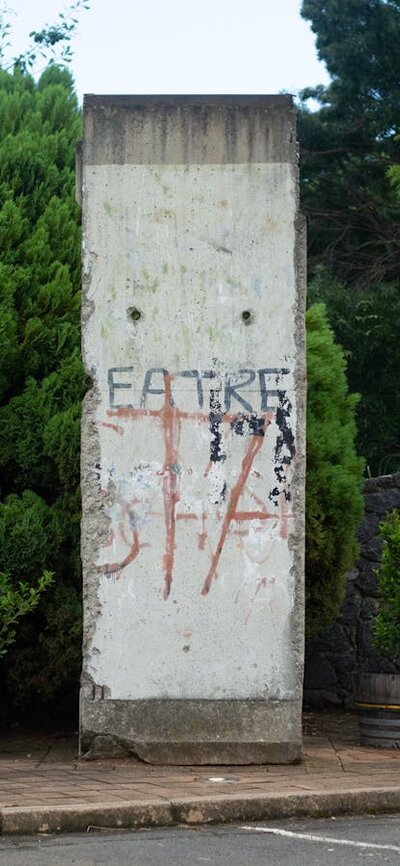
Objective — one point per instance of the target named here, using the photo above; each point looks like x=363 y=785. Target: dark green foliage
x=41 y=379
x=334 y=500
x=358 y=41
x=367 y=325
x=349 y=144
x=27 y=532
x=350 y=156
x=352 y=211
x=16 y=602
x=43 y=672
x=387 y=622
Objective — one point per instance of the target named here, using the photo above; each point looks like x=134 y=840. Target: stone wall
x=347 y=645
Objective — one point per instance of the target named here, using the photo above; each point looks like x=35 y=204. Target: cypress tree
x=41 y=379
x=334 y=500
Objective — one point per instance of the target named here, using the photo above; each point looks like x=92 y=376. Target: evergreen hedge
x=334 y=500
x=41 y=381
x=41 y=389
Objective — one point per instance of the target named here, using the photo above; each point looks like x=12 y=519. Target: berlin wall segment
x=193 y=432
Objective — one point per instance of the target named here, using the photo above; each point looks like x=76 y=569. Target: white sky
x=182 y=46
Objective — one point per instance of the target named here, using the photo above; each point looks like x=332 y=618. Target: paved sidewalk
x=44 y=788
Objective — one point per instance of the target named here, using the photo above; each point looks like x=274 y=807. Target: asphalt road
x=330 y=842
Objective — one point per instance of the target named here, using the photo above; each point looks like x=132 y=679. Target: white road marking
x=329 y=840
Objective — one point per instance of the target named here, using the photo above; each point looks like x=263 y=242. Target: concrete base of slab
x=193 y=731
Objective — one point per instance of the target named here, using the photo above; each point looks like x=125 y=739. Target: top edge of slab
x=184 y=130
x=92 y=100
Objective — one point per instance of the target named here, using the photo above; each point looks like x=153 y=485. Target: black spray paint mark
x=147 y=384
x=248 y=424
x=195 y=374
x=231 y=389
x=234 y=384
x=222 y=495
x=114 y=386
x=284 y=448
x=265 y=392
x=215 y=417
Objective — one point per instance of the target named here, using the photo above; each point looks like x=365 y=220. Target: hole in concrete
x=134 y=314
x=246 y=316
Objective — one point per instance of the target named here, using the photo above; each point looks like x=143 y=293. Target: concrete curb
x=196 y=810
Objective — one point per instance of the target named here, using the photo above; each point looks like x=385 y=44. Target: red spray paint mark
x=115 y=567
x=110 y=538
x=203 y=534
x=116 y=427
x=256 y=498
x=171 y=426
x=126 y=513
x=261 y=582
x=170 y=417
x=247 y=462
x=130 y=413
x=254 y=515
x=284 y=515
x=259 y=562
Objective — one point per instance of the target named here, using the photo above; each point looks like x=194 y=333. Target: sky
x=182 y=46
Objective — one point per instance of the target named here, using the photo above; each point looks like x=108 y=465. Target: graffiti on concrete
x=247 y=404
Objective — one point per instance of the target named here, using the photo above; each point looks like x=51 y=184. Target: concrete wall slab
x=193 y=434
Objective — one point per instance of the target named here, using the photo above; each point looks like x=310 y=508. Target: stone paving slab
x=44 y=785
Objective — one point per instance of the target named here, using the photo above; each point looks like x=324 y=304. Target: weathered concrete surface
x=193 y=435
x=195 y=732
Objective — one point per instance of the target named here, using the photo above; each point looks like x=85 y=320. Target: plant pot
x=377 y=702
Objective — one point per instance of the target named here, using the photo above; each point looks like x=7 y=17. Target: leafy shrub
x=334 y=500
x=43 y=671
x=15 y=603
x=387 y=622
x=41 y=387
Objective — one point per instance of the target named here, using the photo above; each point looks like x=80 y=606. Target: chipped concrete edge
x=196 y=810
x=297 y=540
x=94 y=523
